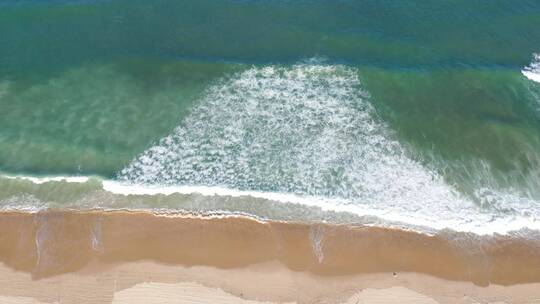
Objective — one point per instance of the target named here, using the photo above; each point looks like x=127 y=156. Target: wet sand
x=114 y=256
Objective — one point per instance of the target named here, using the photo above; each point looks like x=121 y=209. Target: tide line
x=480 y=224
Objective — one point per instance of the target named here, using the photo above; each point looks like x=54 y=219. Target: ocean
x=422 y=115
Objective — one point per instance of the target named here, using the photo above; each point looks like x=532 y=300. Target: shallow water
x=424 y=113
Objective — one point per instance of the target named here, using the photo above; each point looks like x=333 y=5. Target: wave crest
x=532 y=71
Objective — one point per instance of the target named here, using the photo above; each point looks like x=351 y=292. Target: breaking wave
x=305 y=130
x=301 y=143
x=308 y=131
x=532 y=71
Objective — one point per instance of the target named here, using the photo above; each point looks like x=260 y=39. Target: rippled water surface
x=405 y=110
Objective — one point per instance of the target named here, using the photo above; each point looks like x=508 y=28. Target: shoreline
x=42 y=244
x=63 y=256
x=38 y=193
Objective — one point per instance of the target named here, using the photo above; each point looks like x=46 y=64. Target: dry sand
x=149 y=282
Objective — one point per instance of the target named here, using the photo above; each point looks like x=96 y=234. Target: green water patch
x=61 y=192
x=93 y=119
x=477 y=127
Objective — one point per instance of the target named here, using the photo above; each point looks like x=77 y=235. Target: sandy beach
x=138 y=257
x=276 y=152
x=149 y=282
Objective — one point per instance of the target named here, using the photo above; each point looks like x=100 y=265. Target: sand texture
x=137 y=257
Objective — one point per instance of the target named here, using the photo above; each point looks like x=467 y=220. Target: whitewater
x=532 y=71
x=307 y=134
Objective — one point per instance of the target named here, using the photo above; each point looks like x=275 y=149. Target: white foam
x=45 y=179
x=307 y=131
x=481 y=224
x=308 y=135
x=532 y=76
x=478 y=223
x=533 y=70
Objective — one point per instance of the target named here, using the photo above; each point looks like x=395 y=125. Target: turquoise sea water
x=410 y=107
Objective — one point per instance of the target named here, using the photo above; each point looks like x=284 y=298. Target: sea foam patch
x=304 y=130
x=532 y=71
x=226 y=199
x=462 y=220
x=46 y=179
x=306 y=134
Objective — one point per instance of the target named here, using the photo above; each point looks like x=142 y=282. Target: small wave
x=478 y=223
x=482 y=224
x=532 y=71
x=46 y=179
